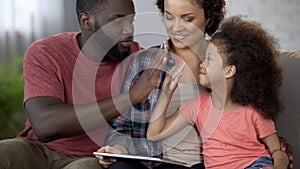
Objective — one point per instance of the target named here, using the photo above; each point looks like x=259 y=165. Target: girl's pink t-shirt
x=55 y=67
x=230 y=139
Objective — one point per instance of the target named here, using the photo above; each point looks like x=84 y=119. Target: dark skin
x=45 y=113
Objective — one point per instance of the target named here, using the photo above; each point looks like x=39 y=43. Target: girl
x=242 y=71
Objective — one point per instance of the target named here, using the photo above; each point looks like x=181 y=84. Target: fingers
x=101 y=150
x=288 y=149
x=269 y=167
x=172 y=79
x=104 y=161
x=176 y=71
x=282 y=143
x=160 y=59
x=166 y=45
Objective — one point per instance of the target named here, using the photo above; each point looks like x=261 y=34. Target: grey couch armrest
x=288 y=122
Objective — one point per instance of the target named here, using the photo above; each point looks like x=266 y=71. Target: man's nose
x=128 y=28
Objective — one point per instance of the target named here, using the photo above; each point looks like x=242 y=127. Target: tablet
x=142 y=158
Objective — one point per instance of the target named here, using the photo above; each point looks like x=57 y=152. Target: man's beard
x=109 y=45
x=115 y=55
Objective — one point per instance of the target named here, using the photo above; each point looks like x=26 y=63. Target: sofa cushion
x=288 y=122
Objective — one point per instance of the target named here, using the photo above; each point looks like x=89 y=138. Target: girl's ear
x=86 y=21
x=230 y=71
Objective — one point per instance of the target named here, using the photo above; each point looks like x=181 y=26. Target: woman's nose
x=177 y=25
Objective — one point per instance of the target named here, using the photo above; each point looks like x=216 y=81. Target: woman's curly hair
x=252 y=50
x=214 y=10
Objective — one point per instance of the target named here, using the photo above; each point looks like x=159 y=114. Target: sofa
x=288 y=122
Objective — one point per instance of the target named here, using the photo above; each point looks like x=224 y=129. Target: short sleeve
x=190 y=109
x=264 y=127
x=41 y=75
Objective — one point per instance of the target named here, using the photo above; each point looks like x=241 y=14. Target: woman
x=186 y=23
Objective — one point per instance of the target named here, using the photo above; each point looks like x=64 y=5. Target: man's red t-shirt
x=55 y=67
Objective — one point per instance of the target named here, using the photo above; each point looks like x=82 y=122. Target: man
x=68 y=89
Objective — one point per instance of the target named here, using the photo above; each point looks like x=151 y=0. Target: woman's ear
x=207 y=21
x=230 y=71
x=86 y=21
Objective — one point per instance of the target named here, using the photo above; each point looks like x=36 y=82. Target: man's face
x=114 y=28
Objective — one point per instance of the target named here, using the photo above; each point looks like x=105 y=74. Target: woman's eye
x=169 y=17
x=188 y=19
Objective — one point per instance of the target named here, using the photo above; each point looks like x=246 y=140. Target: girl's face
x=212 y=68
x=184 y=21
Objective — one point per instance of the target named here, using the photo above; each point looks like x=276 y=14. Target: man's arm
x=52 y=119
x=122 y=129
x=45 y=114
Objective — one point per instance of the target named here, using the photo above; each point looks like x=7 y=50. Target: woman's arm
x=280 y=158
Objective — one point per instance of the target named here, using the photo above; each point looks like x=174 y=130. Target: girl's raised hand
x=172 y=78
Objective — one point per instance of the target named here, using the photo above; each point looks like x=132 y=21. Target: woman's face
x=184 y=21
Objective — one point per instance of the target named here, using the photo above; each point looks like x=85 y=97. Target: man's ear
x=230 y=71
x=86 y=21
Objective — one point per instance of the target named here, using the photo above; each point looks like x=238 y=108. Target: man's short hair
x=90 y=6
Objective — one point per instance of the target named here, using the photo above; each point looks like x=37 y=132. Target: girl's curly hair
x=252 y=50
x=214 y=10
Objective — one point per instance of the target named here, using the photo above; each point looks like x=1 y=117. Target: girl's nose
x=202 y=68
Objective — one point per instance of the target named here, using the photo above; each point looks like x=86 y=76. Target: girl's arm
x=161 y=127
x=280 y=158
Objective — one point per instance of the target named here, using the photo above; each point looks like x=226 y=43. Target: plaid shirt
x=130 y=128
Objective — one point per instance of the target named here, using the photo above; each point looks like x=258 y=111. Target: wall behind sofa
x=281 y=17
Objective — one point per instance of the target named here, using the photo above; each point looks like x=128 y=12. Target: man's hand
x=150 y=77
x=116 y=149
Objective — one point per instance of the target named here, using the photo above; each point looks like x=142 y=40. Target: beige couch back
x=288 y=122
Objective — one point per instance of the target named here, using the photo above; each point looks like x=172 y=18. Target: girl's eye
x=209 y=58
